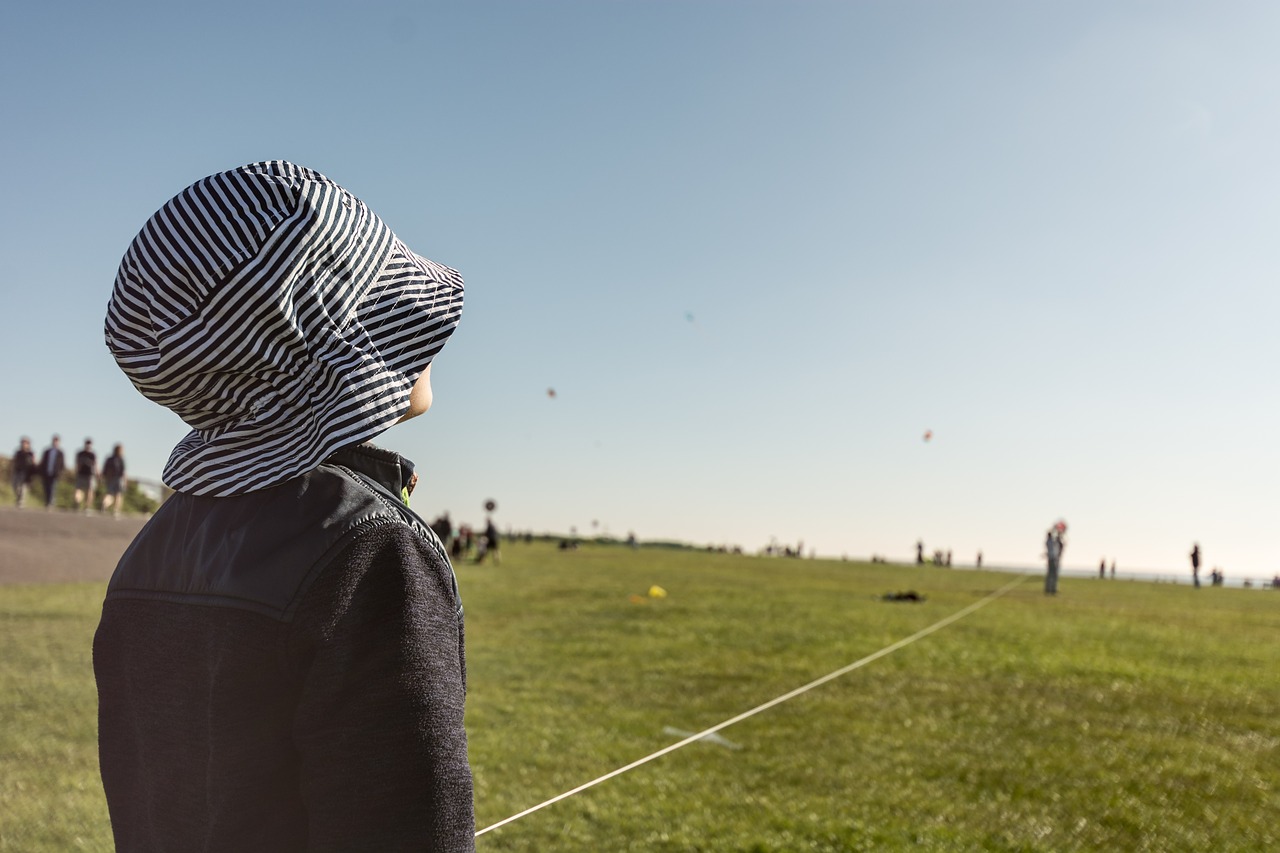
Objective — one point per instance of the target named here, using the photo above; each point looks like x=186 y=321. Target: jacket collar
x=387 y=467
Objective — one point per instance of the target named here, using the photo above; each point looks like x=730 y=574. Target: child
x=280 y=657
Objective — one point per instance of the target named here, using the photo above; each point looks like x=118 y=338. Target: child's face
x=420 y=396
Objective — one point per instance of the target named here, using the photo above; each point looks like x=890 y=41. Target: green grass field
x=1119 y=716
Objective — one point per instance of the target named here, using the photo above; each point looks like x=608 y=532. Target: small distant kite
x=1060 y=526
x=928 y=435
x=688 y=315
x=551 y=393
x=490 y=505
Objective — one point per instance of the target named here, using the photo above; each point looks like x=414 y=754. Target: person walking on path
x=22 y=470
x=52 y=464
x=1195 y=564
x=114 y=480
x=280 y=660
x=86 y=472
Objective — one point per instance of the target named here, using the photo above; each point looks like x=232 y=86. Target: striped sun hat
x=280 y=318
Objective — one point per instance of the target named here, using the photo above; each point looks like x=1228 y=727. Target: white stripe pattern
x=280 y=318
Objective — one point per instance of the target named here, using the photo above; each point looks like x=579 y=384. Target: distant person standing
x=1195 y=564
x=1102 y=569
x=978 y=564
x=1053 y=551
x=23 y=469
x=495 y=541
x=86 y=472
x=113 y=478
x=443 y=528
x=919 y=552
x=1113 y=569
x=52 y=464
x=490 y=544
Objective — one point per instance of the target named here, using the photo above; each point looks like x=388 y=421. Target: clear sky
x=757 y=249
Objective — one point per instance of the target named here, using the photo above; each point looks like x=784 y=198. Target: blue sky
x=1046 y=232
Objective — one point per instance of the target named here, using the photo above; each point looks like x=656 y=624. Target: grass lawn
x=1117 y=716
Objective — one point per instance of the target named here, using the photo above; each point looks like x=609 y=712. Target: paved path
x=47 y=547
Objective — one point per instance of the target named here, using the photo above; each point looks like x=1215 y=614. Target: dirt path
x=48 y=547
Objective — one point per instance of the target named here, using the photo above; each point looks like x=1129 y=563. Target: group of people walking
x=52 y=465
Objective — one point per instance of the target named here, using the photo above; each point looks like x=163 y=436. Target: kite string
x=817 y=682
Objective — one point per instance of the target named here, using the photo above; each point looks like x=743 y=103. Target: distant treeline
x=522 y=536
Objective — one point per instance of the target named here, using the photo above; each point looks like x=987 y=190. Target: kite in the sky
x=928 y=435
x=551 y=393
x=490 y=505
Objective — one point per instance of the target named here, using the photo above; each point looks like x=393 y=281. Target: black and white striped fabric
x=280 y=318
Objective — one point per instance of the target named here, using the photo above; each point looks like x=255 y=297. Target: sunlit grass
x=50 y=795
x=1117 y=716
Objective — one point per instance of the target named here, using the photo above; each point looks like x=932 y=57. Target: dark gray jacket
x=284 y=671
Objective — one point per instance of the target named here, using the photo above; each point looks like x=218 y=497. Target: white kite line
x=923 y=632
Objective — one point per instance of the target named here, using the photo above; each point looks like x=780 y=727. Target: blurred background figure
x=23 y=469
x=86 y=471
x=461 y=543
x=1195 y=564
x=492 y=541
x=113 y=478
x=52 y=464
x=1053 y=551
x=443 y=528
x=489 y=543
